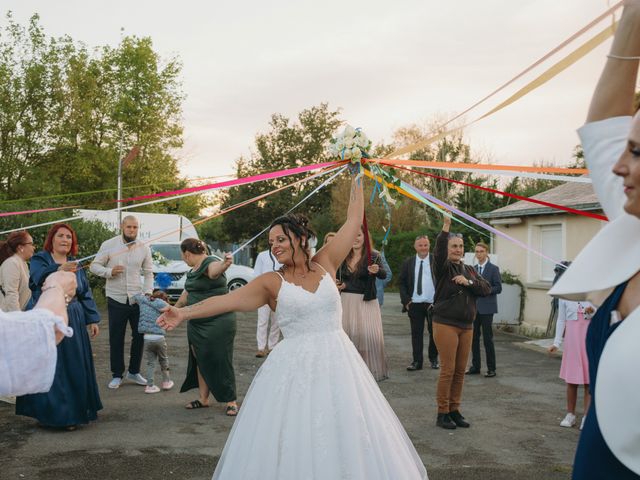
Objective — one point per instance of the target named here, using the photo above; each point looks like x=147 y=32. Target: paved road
x=515 y=416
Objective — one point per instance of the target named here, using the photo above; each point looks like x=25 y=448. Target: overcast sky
x=386 y=64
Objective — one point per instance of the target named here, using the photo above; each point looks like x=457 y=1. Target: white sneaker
x=137 y=378
x=167 y=385
x=582 y=422
x=115 y=382
x=151 y=389
x=568 y=421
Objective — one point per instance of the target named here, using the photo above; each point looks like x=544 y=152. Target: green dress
x=211 y=338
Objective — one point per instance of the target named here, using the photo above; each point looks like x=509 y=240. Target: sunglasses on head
x=455 y=235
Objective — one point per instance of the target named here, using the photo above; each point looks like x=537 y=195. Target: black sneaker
x=472 y=371
x=444 y=421
x=458 y=419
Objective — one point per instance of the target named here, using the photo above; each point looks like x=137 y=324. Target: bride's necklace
x=297 y=274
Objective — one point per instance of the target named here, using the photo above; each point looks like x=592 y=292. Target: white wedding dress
x=313 y=410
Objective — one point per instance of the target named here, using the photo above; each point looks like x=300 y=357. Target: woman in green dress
x=210 y=339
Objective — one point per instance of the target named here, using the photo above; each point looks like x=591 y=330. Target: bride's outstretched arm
x=250 y=297
x=333 y=254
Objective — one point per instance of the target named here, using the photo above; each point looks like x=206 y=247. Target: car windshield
x=170 y=251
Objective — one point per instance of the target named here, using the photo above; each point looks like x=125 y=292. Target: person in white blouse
x=268 y=332
x=28 y=339
x=571 y=329
x=121 y=260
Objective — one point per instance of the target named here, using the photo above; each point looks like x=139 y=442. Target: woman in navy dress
x=74 y=398
x=607 y=270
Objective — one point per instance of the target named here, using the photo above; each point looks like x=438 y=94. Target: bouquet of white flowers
x=159 y=259
x=351 y=144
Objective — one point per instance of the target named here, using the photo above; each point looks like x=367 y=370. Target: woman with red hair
x=74 y=398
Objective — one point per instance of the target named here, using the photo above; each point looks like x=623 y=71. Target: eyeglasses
x=455 y=235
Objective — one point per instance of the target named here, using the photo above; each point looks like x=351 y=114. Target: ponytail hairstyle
x=297 y=224
x=10 y=246
x=193 y=245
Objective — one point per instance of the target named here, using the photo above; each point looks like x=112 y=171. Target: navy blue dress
x=74 y=397
x=594 y=460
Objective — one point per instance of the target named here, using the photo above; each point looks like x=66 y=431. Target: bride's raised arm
x=333 y=254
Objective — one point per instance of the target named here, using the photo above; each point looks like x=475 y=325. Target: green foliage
x=67 y=114
x=212 y=231
x=287 y=145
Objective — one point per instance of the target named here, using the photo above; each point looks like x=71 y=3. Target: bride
x=313 y=410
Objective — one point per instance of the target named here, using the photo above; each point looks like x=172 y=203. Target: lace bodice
x=300 y=312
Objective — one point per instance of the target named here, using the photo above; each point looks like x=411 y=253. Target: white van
x=167 y=259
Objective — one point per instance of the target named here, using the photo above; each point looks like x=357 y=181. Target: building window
x=549 y=240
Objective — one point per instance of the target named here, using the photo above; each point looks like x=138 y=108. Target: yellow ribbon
x=550 y=73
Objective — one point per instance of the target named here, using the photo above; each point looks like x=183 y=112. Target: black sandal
x=195 y=404
x=232 y=410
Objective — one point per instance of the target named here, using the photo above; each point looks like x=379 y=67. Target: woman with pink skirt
x=572 y=324
x=361 y=316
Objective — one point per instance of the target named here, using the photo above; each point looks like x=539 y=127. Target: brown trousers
x=454 y=346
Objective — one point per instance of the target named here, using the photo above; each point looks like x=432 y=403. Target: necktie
x=479 y=269
x=419 y=290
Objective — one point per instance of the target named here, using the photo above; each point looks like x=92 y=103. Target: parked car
x=170 y=271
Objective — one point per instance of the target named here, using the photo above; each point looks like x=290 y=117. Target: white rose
x=362 y=141
x=349 y=142
x=339 y=145
x=356 y=154
x=349 y=131
x=345 y=153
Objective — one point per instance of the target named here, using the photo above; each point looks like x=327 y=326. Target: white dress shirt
x=264 y=263
x=428 y=289
x=136 y=259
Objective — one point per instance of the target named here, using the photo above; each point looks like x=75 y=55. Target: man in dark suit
x=486 y=308
x=417 y=288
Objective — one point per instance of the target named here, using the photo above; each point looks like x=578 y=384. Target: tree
x=67 y=114
x=287 y=144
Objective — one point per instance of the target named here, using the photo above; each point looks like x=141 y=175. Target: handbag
x=370 y=290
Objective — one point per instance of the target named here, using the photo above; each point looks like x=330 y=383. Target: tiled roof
x=580 y=196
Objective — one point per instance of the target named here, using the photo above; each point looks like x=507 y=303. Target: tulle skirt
x=314 y=411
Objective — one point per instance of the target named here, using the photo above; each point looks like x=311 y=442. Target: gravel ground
x=514 y=433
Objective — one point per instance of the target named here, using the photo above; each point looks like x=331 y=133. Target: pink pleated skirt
x=575 y=364
x=362 y=322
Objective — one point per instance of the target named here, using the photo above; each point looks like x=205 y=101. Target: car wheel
x=236 y=283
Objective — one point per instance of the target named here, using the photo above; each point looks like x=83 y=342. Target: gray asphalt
x=514 y=433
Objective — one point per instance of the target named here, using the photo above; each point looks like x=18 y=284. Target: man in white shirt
x=121 y=260
x=267 y=337
x=417 y=288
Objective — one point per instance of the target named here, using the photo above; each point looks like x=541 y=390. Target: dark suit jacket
x=407 y=278
x=489 y=304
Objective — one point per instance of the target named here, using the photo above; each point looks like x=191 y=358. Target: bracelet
x=619 y=57
x=66 y=297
